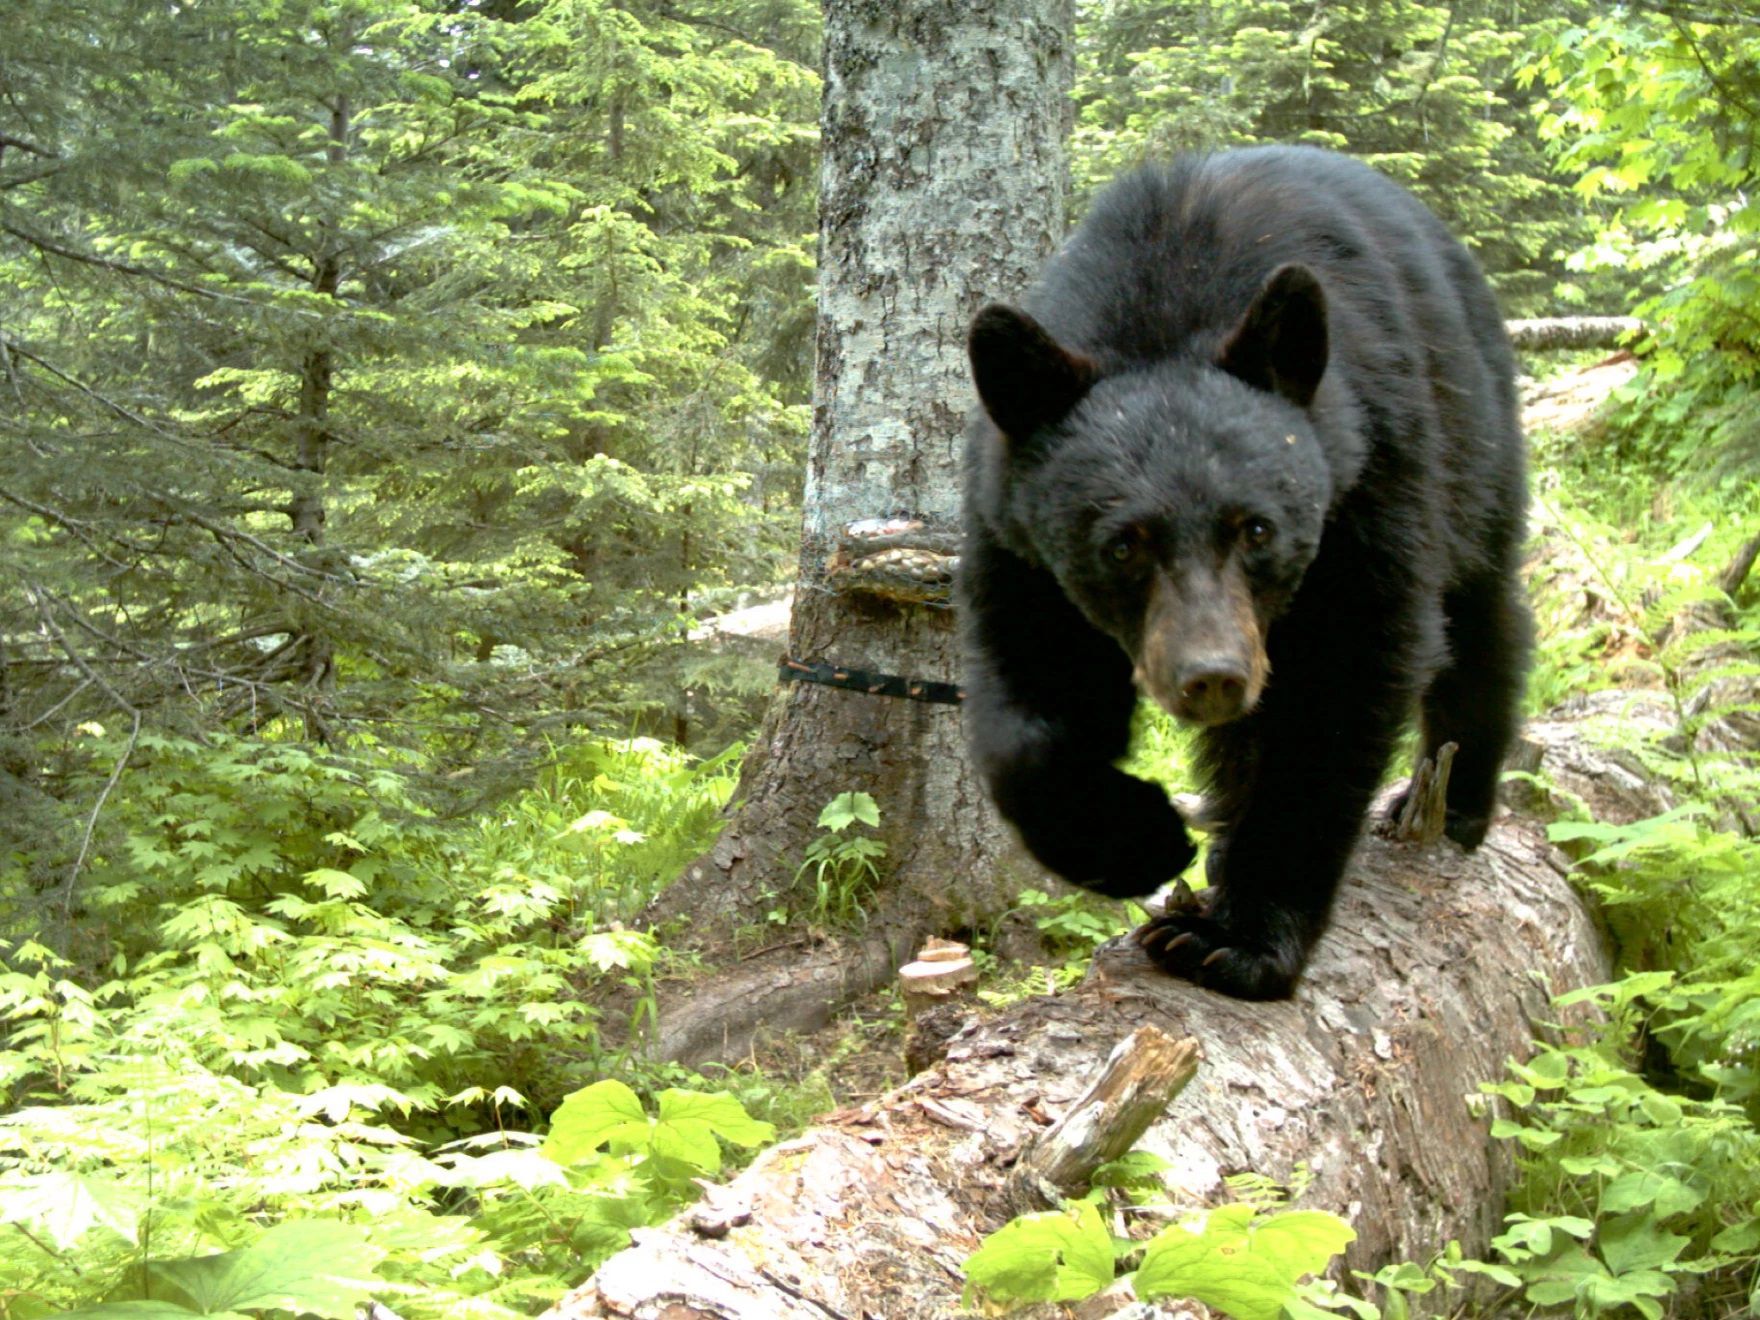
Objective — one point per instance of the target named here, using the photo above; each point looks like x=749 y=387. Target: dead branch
x=1548 y=334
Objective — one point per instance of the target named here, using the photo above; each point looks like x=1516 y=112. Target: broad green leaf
x=1583 y=1165
x=1300 y=1242
x=1562 y=1279
x=1639 y=1289
x=846 y=809
x=719 y=1111
x=1525 y=1237
x=151 y=1309
x=316 y=1266
x=1054 y=1257
x=1499 y=1274
x=690 y=1143
x=1245 y=1267
x=1637 y=1242
x=67 y=1205
x=1645 y=1187
x=605 y=1113
x=1740 y=1237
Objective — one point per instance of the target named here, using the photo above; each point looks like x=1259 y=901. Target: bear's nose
x=1213 y=691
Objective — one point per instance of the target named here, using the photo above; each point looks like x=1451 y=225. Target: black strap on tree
x=866 y=680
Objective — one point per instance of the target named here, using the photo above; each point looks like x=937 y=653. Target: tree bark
x=941 y=187
x=312 y=442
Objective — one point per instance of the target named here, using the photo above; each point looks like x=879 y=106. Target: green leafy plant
x=1646 y=111
x=305 y=997
x=1059 y=1256
x=681 y=1141
x=306 y=1266
x=1235 y=1258
x=1240 y=1261
x=1628 y=1191
x=841 y=868
x=1074 y=925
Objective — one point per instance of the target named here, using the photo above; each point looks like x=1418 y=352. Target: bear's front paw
x=1108 y=832
x=1189 y=942
x=1133 y=840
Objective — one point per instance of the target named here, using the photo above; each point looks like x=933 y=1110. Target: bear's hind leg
x=1475 y=702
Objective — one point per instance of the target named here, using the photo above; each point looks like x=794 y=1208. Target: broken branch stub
x=1141 y=1077
x=1424 y=812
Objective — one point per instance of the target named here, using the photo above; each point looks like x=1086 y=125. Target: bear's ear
x=1280 y=344
x=1025 y=378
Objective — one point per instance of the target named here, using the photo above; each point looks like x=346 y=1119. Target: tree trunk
x=312 y=448
x=942 y=185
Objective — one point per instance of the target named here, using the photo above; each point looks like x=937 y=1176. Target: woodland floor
x=857 y=1058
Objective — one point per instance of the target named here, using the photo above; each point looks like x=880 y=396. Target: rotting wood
x=1424 y=813
x=1140 y=1078
x=1735 y=573
x=937 y=990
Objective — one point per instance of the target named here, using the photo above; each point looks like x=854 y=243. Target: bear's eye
x=1257 y=532
x=1122 y=550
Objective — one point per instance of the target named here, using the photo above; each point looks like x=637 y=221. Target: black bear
x=1253 y=449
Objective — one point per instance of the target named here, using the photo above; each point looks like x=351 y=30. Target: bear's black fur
x=1253 y=445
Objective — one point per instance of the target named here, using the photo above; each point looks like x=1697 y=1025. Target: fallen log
x=1438 y=967
x=1546 y=334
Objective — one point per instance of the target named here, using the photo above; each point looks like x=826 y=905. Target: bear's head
x=1178 y=502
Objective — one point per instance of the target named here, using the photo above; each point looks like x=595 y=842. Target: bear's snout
x=1215 y=693
x=1202 y=657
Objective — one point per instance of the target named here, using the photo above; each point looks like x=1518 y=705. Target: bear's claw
x=1189 y=943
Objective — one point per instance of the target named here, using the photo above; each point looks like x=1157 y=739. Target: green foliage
x=307 y=1266
x=123 y=1188
x=1234 y=1259
x=1426 y=92
x=321 y=931
x=384 y=373
x=680 y=1143
x=302 y=979
x=1076 y=924
x=841 y=869
x=1653 y=113
x=1241 y=1262
x=1059 y=1256
x=1640 y=1187
x=1628 y=1190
